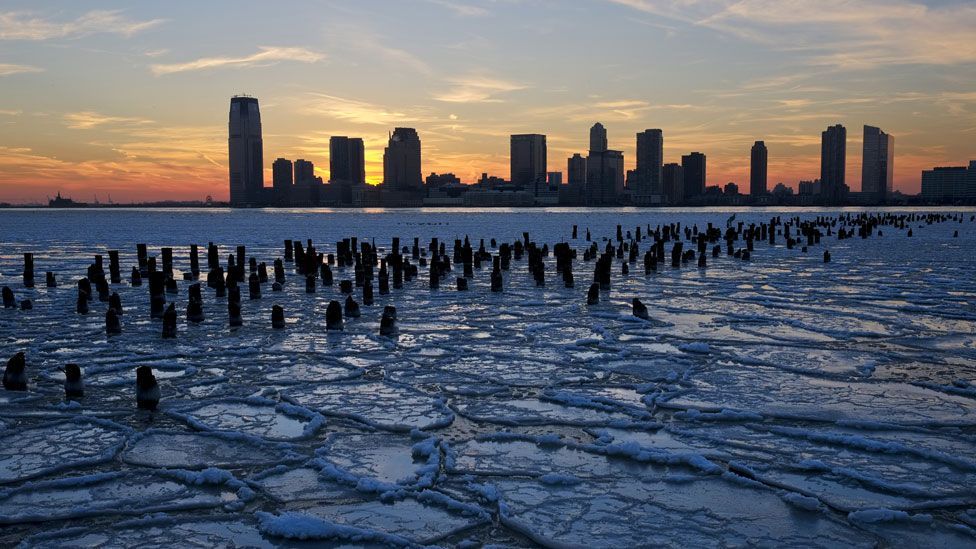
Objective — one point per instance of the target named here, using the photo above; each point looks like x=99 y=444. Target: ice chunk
x=120 y=493
x=56 y=446
x=382 y=405
x=254 y=415
x=158 y=448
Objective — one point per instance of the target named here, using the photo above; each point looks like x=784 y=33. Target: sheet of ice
x=773 y=392
x=120 y=494
x=56 y=446
x=189 y=450
x=420 y=522
x=387 y=459
x=286 y=484
x=534 y=411
x=254 y=415
x=229 y=531
x=382 y=405
x=686 y=512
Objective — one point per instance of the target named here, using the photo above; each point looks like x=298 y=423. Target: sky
x=129 y=100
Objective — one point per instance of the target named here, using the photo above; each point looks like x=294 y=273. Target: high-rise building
x=528 y=162
x=757 y=171
x=878 y=163
x=598 y=138
x=650 y=159
x=604 y=170
x=304 y=171
x=401 y=161
x=833 y=164
x=346 y=160
x=246 y=152
x=673 y=183
x=693 y=168
x=576 y=170
x=604 y=178
x=555 y=179
x=282 y=179
x=949 y=184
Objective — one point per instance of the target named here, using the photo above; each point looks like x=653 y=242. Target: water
x=819 y=393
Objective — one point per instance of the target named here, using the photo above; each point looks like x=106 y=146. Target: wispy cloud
x=86 y=120
x=6 y=69
x=354 y=110
x=265 y=56
x=24 y=25
x=460 y=8
x=477 y=89
x=837 y=33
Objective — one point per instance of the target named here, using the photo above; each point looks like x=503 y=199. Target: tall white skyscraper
x=246 y=152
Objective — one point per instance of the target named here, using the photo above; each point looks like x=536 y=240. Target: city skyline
x=144 y=117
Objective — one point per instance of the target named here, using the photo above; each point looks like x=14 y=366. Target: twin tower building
x=401 y=161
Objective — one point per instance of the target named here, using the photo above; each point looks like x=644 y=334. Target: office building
x=757 y=170
x=673 y=183
x=878 y=163
x=833 y=165
x=282 y=180
x=650 y=160
x=528 y=162
x=576 y=170
x=347 y=160
x=245 y=152
x=401 y=161
x=693 y=168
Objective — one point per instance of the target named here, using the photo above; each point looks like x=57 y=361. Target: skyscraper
x=304 y=171
x=604 y=170
x=598 y=138
x=281 y=179
x=528 y=162
x=878 y=163
x=693 y=168
x=246 y=152
x=833 y=164
x=757 y=172
x=650 y=159
x=673 y=183
x=401 y=161
x=576 y=170
x=346 y=160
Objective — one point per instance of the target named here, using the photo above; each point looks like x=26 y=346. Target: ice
x=158 y=448
x=257 y=416
x=776 y=402
x=391 y=460
x=56 y=446
x=408 y=521
x=773 y=392
x=534 y=411
x=300 y=484
x=686 y=513
x=230 y=531
x=117 y=493
x=382 y=405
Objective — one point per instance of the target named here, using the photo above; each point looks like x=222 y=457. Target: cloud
x=23 y=25
x=354 y=110
x=837 y=33
x=6 y=69
x=265 y=56
x=86 y=120
x=477 y=89
x=459 y=8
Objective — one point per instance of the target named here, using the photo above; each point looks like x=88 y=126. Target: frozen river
x=778 y=401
